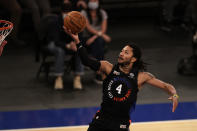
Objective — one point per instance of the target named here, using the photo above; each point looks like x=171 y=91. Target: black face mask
x=66 y=7
x=80 y=8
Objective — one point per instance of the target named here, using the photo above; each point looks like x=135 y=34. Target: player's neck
x=126 y=68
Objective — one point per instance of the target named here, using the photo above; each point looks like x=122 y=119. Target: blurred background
x=164 y=29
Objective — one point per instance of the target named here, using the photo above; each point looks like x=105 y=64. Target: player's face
x=126 y=56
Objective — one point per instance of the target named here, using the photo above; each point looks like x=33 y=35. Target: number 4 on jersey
x=119 y=88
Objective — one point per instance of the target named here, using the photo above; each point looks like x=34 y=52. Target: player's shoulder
x=106 y=63
x=106 y=66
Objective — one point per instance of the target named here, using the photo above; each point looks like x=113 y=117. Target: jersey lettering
x=119 y=88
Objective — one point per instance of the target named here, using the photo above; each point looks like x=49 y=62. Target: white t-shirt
x=94 y=22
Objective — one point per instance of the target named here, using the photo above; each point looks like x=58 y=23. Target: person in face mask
x=93 y=5
x=94 y=35
x=66 y=6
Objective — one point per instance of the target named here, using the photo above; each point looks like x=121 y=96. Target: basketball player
x=121 y=83
x=2 y=46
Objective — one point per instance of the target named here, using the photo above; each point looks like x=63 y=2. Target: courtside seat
x=46 y=58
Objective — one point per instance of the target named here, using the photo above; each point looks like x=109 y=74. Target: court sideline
x=181 y=125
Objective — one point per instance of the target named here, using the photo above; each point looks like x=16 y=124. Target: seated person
x=60 y=44
x=193 y=5
x=95 y=32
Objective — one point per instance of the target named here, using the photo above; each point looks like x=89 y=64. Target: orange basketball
x=75 y=21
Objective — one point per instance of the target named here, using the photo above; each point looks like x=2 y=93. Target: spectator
x=38 y=9
x=193 y=6
x=14 y=9
x=60 y=45
x=79 y=5
x=95 y=33
x=167 y=14
x=176 y=12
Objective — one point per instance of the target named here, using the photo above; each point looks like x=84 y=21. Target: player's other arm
x=148 y=78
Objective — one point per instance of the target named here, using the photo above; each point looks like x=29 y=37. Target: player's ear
x=133 y=59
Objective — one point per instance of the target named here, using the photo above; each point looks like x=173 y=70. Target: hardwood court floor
x=179 y=125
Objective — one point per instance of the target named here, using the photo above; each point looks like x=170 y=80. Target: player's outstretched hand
x=74 y=36
x=174 y=100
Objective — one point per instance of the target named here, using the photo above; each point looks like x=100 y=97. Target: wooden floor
x=180 y=125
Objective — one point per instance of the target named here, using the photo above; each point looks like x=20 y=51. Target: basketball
x=75 y=21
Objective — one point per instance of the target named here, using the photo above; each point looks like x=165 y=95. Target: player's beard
x=126 y=63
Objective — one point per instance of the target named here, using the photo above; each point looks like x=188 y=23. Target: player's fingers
x=65 y=29
x=68 y=31
x=173 y=108
x=175 y=104
x=170 y=98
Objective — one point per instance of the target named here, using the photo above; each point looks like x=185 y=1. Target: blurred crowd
x=94 y=37
x=54 y=39
x=179 y=13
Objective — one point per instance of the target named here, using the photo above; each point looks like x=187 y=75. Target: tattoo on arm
x=150 y=76
x=165 y=85
x=168 y=87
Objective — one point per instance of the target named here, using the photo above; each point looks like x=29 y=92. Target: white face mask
x=93 y=5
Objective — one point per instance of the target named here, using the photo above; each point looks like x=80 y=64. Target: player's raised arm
x=103 y=66
x=145 y=77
